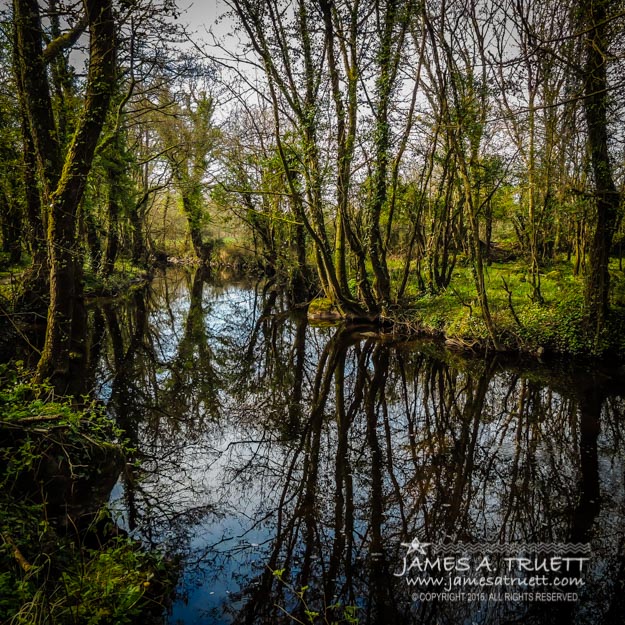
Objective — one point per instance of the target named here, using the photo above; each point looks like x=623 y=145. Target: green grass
x=556 y=324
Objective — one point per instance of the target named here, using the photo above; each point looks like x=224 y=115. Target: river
x=315 y=474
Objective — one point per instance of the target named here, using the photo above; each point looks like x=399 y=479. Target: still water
x=316 y=475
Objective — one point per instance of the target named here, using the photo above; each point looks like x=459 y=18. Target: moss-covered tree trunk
x=39 y=138
x=54 y=362
x=11 y=226
x=64 y=186
x=113 y=173
x=33 y=293
x=189 y=136
x=139 y=249
x=34 y=92
x=388 y=62
x=192 y=201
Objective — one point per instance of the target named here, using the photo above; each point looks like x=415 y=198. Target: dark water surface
x=269 y=445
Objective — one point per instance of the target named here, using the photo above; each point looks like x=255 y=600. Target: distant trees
x=188 y=139
x=252 y=187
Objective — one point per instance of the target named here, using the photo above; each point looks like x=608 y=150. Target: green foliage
x=227 y=253
x=40 y=426
x=51 y=576
x=111 y=586
x=319 y=306
x=617 y=285
x=125 y=278
x=73 y=585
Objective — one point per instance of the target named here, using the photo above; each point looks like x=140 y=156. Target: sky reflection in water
x=268 y=444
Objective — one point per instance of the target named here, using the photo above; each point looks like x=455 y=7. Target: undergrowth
x=57 y=567
x=556 y=324
x=126 y=276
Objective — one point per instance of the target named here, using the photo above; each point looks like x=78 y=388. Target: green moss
x=557 y=324
x=53 y=576
x=320 y=306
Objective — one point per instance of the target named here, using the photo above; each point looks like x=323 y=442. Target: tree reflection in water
x=265 y=444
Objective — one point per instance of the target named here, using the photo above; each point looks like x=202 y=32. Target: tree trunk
x=55 y=357
x=597 y=288
x=191 y=204
x=39 y=138
x=34 y=290
x=34 y=92
x=112 y=237
x=11 y=227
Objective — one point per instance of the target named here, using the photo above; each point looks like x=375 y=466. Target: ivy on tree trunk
x=64 y=179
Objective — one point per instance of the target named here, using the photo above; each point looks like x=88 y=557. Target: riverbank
x=63 y=559
x=554 y=326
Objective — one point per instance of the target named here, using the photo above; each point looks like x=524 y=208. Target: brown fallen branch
x=40 y=418
x=17 y=554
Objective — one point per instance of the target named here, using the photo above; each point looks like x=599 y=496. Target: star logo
x=416 y=547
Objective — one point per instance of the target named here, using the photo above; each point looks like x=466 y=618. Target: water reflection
x=268 y=445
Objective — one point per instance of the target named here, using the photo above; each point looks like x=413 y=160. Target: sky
x=202 y=14
x=199 y=12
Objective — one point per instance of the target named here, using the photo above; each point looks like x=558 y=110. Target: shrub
x=53 y=570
